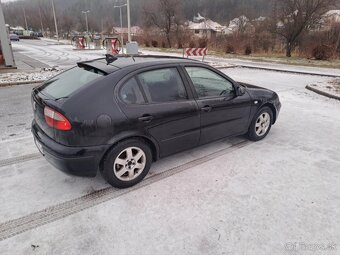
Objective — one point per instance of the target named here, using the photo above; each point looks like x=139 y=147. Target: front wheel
x=261 y=124
x=127 y=163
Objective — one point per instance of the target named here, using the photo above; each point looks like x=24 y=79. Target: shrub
x=163 y=44
x=147 y=44
x=179 y=45
x=230 y=49
x=322 y=52
x=202 y=43
x=154 y=43
x=192 y=44
x=248 y=50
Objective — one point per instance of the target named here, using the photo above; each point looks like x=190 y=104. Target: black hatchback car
x=119 y=114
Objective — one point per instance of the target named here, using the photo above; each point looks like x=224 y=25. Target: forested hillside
x=103 y=13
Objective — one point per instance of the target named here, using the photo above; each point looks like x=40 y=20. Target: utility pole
x=23 y=8
x=41 y=22
x=87 y=24
x=129 y=21
x=55 y=21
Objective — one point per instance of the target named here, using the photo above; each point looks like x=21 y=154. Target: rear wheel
x=261 y=124
x=127 y=163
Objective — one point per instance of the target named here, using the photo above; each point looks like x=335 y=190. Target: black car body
x=112 y=104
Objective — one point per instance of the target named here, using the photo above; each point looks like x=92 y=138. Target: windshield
x=64 y=84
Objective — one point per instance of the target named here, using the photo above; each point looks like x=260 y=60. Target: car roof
x=122 y=61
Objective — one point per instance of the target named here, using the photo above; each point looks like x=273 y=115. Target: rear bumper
x=79 y=161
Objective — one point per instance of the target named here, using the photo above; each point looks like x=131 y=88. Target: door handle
x=206 y=108
x=145 y=118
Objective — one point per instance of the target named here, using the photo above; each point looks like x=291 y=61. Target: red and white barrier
x=81 y=41
x=196 y=51
x=114 y=46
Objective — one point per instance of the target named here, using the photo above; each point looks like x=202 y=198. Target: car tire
x=127 y=163
x=261 y=124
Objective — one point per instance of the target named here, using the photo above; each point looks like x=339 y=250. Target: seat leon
x=117 y=115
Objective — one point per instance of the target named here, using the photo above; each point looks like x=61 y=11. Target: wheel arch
x=272 y=107
x=149 y=141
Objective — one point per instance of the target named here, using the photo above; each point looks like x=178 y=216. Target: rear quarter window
x=66 y=83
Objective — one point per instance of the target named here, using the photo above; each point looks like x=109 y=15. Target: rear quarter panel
x=94 y=114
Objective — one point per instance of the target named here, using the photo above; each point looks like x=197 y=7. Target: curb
x=87 y=49
x=20 y=83
x=289 y=71
x=7 y=68
x=263 y=68
x=323 y=93
x=223 y=67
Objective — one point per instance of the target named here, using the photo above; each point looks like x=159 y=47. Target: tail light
x=56 y=120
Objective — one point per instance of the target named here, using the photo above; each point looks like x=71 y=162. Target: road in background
x=31 y=54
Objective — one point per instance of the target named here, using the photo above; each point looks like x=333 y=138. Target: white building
x=328 y=19
x=332 y=16
x=205 y=28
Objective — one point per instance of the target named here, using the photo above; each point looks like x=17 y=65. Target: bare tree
x=164 y=17
x=67 y=24
x=293 y=17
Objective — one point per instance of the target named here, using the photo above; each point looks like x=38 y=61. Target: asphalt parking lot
x=277 y=196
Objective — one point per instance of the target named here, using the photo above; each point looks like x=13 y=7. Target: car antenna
x=110 y=58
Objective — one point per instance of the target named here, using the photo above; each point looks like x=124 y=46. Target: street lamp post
x=87 y=24
x=121 y=22
x=129 y=20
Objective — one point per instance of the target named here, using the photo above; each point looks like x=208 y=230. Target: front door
x=223 y=113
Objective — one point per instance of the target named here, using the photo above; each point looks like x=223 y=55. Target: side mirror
x=240 y=91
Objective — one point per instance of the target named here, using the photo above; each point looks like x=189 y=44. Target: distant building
x=328 y=19
x=17 y=30
x=205 y=28
x=260 y=19
x=332 y=16
x=199 y=18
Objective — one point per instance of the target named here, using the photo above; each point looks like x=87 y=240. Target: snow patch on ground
x=331 y=86
x=43 y=74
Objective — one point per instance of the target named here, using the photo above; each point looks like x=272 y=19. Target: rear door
x=157 y=101
x=223 y=113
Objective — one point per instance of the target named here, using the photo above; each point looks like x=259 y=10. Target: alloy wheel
x=129 y=164
x=262 y=124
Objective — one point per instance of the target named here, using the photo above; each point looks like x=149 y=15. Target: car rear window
x=66 y=83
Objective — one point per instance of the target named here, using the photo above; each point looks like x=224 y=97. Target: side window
x=208 y=83
x=163 y=85
x=130 y=92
